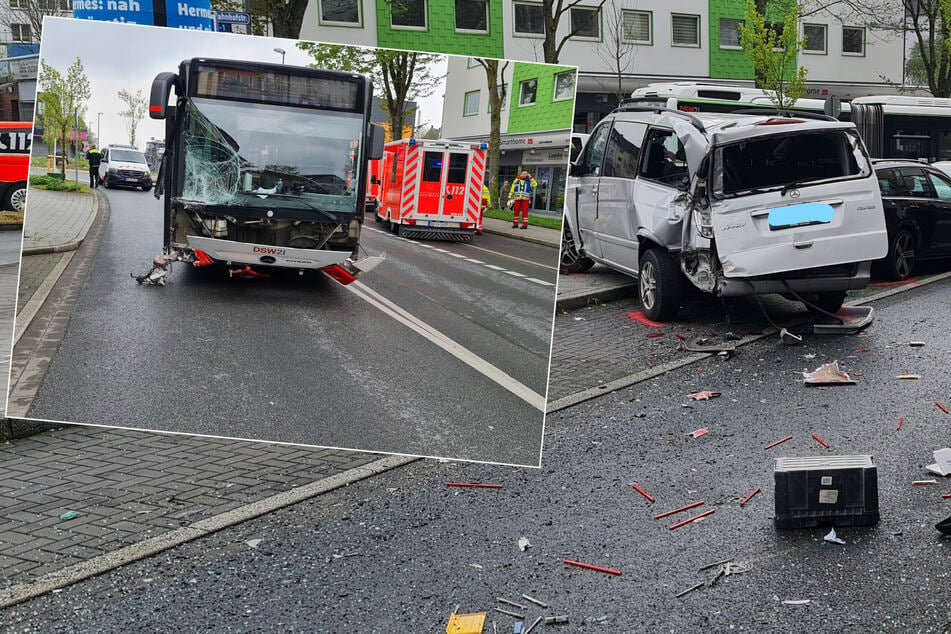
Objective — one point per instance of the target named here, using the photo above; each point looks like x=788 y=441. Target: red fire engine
x=432 y=188
x=374 y=178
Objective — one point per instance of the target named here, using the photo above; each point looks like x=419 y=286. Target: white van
x=124 y=166
x=737 y=204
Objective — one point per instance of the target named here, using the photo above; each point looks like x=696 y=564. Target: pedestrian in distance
x=486 y=201
x=521 y=194
x=503 y=194
x=94 y=157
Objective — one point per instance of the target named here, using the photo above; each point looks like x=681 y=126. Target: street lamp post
x=98 y=121
x=282 y=52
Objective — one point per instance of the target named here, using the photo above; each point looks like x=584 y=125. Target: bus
x=15 y=140
x=265 y=166
x=892 y=126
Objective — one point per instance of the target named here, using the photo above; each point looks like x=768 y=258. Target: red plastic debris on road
x=680 y=510
x=643 y=492
x=820 y=441
x=750 y=496
x=778 y=442
x=654 y=335
x=900 y=421
x=941 y=407
x=692 y=519
x=697 y=433
x=474 y=485
x=610 y=571
x=706 y=395
x=639 y=316
x=887 y=284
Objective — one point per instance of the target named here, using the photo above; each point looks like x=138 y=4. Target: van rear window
x=779 y=160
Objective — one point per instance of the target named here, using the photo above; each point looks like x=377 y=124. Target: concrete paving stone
x=12 y=573
x=15 y=536
x=59 y=560
x=91 y=530
x=24 y=516
x=23 y=550
x=49 y=532
x=33 y=497
x=83 y=553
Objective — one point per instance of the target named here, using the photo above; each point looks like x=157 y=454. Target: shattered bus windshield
x=252 y=155
x=789 y=160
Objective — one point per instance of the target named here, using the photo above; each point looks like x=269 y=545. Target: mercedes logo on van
x=268 y=259
x=794 y=193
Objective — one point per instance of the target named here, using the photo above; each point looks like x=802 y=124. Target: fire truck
x=15 y=140
x=374 y=176
x=432 y=189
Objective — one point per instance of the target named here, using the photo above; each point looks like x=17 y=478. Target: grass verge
x=53 y=184
x=538 y=221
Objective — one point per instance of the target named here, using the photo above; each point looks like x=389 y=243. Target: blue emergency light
x=483 y=146
x=412 y=141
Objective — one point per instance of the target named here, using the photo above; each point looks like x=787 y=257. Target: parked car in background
x=16 y=137
x=124 y=166
x=735 y=204
x=917 y=200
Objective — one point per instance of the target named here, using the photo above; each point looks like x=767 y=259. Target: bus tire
x=15 y=197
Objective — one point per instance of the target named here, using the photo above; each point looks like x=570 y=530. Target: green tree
x=772 y=49
x=494 y=75
x=135 y=112
x=398 y=76
x=63 y=99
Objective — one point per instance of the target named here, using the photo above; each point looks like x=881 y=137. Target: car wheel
x=828 y=302
x=15 y=198
x=900 y=260
x=106 y=183
x=571 y=259
x=659 y=285
x=146 y=188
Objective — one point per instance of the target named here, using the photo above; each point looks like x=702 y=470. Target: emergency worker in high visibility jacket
x=94 y=157
x=521 y=194
x=486 y=201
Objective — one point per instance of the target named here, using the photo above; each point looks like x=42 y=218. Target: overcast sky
x=126 y=56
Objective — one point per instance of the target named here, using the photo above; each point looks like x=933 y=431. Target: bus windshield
x=255 y=155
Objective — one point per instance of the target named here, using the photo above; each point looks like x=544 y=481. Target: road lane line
x=538 y=281
x=512 y=257
x=477 y=363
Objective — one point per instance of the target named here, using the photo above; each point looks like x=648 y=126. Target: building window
x=340 y=12
x=471 y=104
x=853 y=40
x=529 y=18
x=526 y=92
x=472 y=15
x=19 y=4
x=815 y=35
x=586 y=22
x=20 y=32
x=730 y=33
x=408 y=14
x=685 y=30
x=638 y=27
x=564 y=86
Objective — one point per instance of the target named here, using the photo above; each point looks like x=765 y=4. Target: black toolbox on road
x=826 y=491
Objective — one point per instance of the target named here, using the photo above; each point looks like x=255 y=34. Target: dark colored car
x=917 y=200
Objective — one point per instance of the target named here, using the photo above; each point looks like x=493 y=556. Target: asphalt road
x=305 y=360
x=400 y=551
x=10 y=242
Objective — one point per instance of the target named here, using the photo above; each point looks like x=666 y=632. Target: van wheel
x=828 y=302
x=900 y=260
x=15 y=198
x=659 y=285
x=571 y=259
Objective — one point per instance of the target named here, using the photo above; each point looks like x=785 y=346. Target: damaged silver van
x=737 y=204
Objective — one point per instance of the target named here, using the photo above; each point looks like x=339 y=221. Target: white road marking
x=466 y=258
x=477 y=363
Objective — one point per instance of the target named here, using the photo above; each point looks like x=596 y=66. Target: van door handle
x=802 y=245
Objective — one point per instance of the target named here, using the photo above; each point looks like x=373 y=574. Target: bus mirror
x=161 y=89
x=377 y=141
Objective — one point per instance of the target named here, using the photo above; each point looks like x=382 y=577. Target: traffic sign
x=232 y=17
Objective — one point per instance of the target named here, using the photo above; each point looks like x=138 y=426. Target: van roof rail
x=636 y=106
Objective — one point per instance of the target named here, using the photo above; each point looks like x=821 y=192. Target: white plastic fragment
x=797 y=601
x=253 y=543
x=524 y=544
x=833 y=539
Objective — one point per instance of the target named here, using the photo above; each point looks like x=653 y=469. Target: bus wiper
x=299 y=199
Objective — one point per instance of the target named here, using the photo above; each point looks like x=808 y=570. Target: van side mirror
x=574 y=170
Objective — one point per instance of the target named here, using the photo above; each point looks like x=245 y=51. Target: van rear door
x=795 y=200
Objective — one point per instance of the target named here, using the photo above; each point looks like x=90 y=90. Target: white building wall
x=460 y=79
x=884 y=55
x=313 y=28
x=658 y=59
